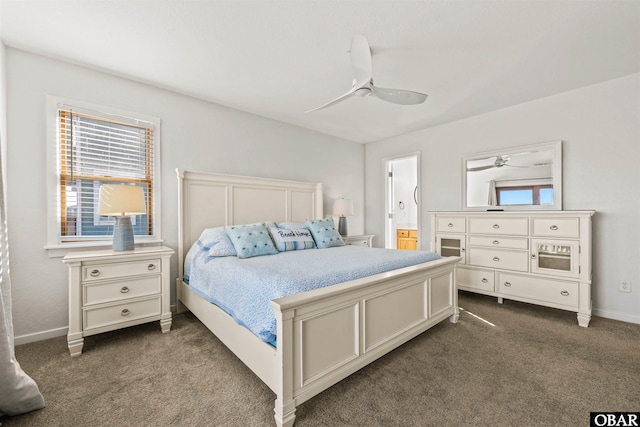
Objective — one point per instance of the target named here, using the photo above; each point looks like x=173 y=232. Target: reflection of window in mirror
x=514 y=178
x=524 y=195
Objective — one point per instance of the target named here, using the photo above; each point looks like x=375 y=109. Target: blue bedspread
x=244 y=287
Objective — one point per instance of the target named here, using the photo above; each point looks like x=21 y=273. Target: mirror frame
x=556 y=146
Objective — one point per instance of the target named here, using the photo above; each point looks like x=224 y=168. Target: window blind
x=96 y=149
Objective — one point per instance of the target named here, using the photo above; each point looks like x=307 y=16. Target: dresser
x=111 y=290
x=363 y=240
x=407 y=239
x=541 y=257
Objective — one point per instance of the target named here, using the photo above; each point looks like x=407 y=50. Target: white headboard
x=207 y=200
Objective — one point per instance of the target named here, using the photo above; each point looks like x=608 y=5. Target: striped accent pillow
x=292 y=240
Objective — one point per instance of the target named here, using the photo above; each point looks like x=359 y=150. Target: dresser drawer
x=101 y=292
x=499 y=242
x=403 y=233
x=556 y=227
x=118 y=313
x=496 y=258
x=549 y=291
x=101 y=271
x=476 y=279
x=452 y=224
x=494 y=225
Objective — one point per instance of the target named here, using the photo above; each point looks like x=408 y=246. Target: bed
x=323 y=335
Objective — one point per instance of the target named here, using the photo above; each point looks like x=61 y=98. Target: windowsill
x=59 y=251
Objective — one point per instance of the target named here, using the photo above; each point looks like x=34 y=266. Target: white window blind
x=95 y=149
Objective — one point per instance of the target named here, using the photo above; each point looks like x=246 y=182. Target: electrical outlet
x=624 y=285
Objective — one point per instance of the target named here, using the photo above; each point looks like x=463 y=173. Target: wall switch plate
x=624 y=286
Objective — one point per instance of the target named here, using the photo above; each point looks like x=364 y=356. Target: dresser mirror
x=517 y=178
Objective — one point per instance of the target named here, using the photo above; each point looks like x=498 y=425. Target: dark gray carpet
x=535 y=367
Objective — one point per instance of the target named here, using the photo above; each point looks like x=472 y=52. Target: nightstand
x=364 y=240
x=111 y=290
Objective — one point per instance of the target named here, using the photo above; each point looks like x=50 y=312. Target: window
x=525 y=195
x=95 y=148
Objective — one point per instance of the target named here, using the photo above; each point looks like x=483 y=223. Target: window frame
x=535 y=193
x=56 y=244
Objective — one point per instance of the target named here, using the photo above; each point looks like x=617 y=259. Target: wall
x=196 y=135
x=600 y=129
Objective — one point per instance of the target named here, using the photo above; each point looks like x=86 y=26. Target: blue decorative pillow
x=324 y=233
x=216 y=242
x=292 y=240
x=251 y=240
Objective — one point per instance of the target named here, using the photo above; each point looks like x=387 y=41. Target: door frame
x=389 y=229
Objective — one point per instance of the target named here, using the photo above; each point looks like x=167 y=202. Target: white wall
x=196 y=135
x=600 y=129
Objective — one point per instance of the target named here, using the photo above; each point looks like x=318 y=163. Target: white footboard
x=327 y=334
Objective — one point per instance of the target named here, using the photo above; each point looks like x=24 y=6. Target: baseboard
x=39 y=336
x=53 y=333
x=614 y=315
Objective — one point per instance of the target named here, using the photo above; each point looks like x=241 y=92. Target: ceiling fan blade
x=399 y=96
x=361 y=58
x=336 y=100
x=480 y=168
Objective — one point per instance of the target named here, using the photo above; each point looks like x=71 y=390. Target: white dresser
x=541 y=257
x=111 y=290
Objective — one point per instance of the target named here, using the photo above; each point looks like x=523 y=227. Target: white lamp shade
x=121 y=200
x=343 y=207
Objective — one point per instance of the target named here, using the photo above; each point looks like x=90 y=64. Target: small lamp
x=342 y=207
x=120 y=201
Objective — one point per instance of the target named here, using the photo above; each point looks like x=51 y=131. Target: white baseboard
x=624 y=317
x=39 y=336
x=53 y=333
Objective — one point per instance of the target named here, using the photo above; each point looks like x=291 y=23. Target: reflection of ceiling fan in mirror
x=502 y=161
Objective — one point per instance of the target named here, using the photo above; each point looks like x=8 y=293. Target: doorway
x=402 y=207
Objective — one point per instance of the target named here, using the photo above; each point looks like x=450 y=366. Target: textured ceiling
x=280 y=58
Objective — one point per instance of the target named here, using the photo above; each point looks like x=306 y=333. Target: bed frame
x=323 y=335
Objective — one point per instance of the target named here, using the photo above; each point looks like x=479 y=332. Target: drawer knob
x=450 y=224
x=496 y=225
x=95 y=273
x=125 y=312
x=507 y=284
x=533 y=256
x=495 y=258
x=564 y=293
x=496 y=242
x=485 y=280
x=124 y=289
x=151 y=267
x=553 y=227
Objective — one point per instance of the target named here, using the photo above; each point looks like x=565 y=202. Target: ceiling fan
x=500 y=162
x=360 y=55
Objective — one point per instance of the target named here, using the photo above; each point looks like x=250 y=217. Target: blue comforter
x=244 y=287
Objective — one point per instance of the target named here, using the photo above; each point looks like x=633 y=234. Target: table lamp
x=121 y=201
x=342 y=208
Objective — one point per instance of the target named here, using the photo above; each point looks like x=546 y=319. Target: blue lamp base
x=123 y=234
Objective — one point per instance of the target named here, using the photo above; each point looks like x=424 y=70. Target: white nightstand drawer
x=500 y=242
x=453 y=224
x=101 y=271
x=556 y=227
x=495 y=258
x=550 y=291
x=119 y=313
x=100 y=292
x=495 y=225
